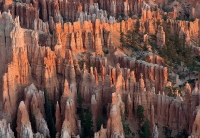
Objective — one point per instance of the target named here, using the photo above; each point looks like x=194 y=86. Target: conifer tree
x=49 y=115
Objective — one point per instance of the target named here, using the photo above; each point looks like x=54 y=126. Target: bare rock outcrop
x=41 y=125
x=5 y=130
x=160 y=37
x=114 y=124
x=24 y=129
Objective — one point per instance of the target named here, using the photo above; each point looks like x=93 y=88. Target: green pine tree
x=49 y=115
x=100 y=121
x=88 y=125
x=127 y=131
x=144 y=131
x=140 y=113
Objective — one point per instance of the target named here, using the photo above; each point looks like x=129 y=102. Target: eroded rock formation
x=72 y=48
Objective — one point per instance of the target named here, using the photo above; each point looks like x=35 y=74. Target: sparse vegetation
x=168 y=133
x=140 y=113
x=81 y=63
x=147 y=59
x=144 y=131
x=132 y=39
x=182 y=134
x=175 y=52
x=100 y=121
x=171 y=91
x=144 y=124
x=88 y=125
x=106 y=52
x=127 y=131
x=86 y=119
x=50 y=116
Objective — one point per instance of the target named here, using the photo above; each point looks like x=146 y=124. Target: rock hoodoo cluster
x=54 y=53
